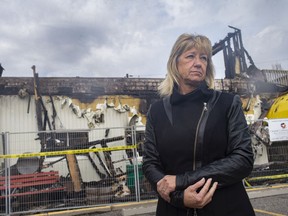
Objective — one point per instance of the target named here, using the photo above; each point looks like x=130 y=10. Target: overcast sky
x=112 y=38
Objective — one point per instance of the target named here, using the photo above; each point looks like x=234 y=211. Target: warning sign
x=278 y=129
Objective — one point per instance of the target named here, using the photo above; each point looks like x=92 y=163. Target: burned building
x=45 y=115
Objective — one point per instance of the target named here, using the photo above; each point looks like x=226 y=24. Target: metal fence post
x=68 y=141
x=135 y=163
x=8 y=209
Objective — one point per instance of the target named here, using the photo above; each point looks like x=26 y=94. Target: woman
x=197 y=139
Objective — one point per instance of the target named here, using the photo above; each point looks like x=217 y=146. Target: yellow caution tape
x=65 y=152
x=267 y=177
x=247 y=183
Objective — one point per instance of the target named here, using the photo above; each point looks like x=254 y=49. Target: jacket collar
x=202 y=92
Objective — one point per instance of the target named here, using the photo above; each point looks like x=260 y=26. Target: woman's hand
x=166 y=185
x=194 y=199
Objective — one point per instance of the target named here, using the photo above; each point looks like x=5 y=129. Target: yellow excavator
x=279 y=109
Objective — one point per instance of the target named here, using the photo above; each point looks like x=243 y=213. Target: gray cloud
x=113 y=38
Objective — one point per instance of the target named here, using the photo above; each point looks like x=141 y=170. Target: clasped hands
x=193 y=197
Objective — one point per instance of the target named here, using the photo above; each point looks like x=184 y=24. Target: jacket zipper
x=195 y=145
x=197 y=131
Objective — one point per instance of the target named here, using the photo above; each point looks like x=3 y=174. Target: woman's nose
x=197 y=61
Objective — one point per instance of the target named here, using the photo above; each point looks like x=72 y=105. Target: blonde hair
x=182 y=44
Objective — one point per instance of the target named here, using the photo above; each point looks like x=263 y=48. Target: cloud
x=269 y=46
x=113 y=38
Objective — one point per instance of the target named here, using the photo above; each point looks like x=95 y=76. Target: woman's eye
x=190 y=56
x=204 y=58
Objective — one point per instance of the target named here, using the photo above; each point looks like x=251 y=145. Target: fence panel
x=52 y=170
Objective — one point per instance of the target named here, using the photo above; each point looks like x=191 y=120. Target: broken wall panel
x=70 y=115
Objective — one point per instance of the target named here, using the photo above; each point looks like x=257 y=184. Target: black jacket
x=202 y=134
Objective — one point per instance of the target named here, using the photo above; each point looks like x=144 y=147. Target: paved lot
x=267 y=201
x=276 y=205
x=272 y=205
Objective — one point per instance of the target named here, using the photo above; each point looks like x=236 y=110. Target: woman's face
x=192 y=66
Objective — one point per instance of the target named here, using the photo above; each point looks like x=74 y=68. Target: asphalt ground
x=266 y=201
x=270 y=200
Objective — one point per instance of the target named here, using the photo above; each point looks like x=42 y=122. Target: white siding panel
x=22 y=128
x=14 y=116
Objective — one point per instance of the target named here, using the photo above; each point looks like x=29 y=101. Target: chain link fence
x=46 y=171
x=58 y=170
